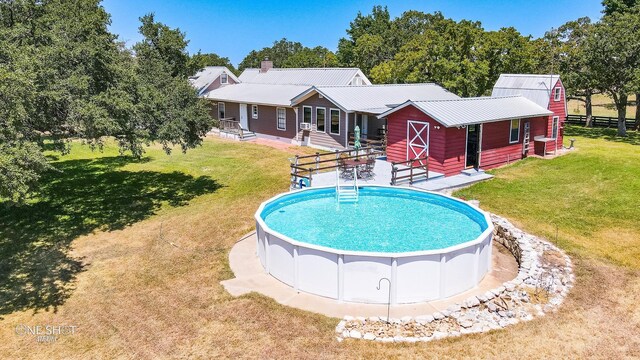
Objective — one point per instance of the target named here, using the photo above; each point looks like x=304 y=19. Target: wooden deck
x=436 y=182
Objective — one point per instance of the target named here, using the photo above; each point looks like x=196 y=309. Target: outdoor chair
x=366 y=171
x=345 y=172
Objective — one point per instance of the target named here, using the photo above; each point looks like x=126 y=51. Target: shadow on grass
x=633 y=137
x=36 y=270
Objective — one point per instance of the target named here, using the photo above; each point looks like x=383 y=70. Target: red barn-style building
x=524 y=115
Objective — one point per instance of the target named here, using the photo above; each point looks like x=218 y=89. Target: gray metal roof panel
x=302 y=76
x=376 y=99
x=534 y=87
x=204 y=77
x=264 y=94
x=478 y=110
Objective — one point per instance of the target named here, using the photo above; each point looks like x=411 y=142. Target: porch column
x=346 y=135
x=295 y=110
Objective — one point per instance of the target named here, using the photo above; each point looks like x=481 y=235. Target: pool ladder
x=347 y=193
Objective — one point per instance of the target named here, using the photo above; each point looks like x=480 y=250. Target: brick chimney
x=265 y=65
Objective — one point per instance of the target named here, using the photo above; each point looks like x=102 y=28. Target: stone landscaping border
x=544 y=278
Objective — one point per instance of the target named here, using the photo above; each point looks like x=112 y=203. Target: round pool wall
x=415 y=276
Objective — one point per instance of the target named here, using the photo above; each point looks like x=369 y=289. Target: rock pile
x=544 y=278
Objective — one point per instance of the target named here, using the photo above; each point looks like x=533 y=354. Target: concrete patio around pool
x=251 y=277
x=382 y=170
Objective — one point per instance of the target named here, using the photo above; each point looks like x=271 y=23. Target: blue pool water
x=383 y=220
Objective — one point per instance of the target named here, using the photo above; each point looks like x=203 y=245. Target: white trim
x=466 y=142
x=427 y=126
x=226 y=77
x=285 y=119
x=310 y=114
x=324 y=121
x=225 y=110
x=254 y=114
x=556 y=120
x=330 y=121
x=243 y=109
x=511 y=128
x=557 y=93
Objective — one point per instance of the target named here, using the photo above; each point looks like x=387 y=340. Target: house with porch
x=259 y=105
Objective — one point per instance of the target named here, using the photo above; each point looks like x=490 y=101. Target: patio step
x=248 y=136
x=472 y=172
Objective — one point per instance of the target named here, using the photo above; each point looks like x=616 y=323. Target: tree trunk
x=621 y=105
x=588 y=108
x=637 y=125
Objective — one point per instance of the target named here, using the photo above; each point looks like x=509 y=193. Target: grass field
x=132 y=253
x=602 y=105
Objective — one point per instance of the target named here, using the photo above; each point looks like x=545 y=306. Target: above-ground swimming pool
x=429 y=246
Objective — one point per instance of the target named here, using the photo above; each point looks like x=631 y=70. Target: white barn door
x=417 y=140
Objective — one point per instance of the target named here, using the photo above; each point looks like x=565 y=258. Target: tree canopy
x=199 y=60
x=289 y=54
x=63 y=75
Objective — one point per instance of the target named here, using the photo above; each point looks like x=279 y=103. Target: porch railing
x=412 y=169
x=231 y=125
x=378 y=143
x=304 y=167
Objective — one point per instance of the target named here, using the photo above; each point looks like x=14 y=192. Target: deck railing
x=378 y=143
x=412 y=169
x=231 y=125
x=304 y=167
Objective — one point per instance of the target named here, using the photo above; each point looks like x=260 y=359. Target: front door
x=417 y=140
x=473 y=147
x=243 y=117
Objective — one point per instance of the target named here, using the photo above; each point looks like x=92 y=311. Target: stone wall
x=540 y=287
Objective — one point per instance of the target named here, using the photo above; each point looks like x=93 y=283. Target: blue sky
x=233 y=28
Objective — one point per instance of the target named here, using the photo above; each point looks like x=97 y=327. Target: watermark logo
x=45 y=333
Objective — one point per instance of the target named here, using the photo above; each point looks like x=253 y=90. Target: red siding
x=559 y=109
x=496 y=148
x=397 y=137
x=447 y=146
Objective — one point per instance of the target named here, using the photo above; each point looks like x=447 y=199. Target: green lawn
x=602 y=105
x=132 y=252
x=591 y=196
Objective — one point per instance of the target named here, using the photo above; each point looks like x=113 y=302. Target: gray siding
x=324 y=139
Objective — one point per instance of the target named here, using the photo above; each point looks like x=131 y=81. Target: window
x=306 y=114
x=514 y=135
x=335 y=121
x=254 y=111
x=221 y=111
x=281 y=115
x=224 y=78
x=554 y=127
x=321 y=118
x=557 y=93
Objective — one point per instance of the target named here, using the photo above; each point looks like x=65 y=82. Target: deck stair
x=347 y=193
x=246 y=135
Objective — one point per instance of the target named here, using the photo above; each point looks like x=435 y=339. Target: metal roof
x=536 y=88
x=203 y=78
x=263 y=94
x=376 y=99
x=465 y=111
x=303 y=76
